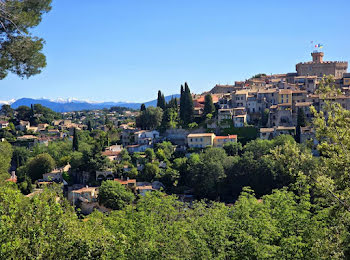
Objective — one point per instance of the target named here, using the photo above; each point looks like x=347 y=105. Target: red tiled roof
x=13 y=179
x=227 y=137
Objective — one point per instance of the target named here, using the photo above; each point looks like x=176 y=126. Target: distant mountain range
x=76 y=105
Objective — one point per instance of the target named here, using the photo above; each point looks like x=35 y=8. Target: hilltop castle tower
x=318 y=67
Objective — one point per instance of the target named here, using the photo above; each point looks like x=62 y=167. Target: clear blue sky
x=111 y=50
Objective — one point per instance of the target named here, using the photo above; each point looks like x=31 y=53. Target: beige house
x=219 y=141
x=200 y=140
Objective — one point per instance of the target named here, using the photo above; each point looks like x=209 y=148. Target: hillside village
x=138 y=148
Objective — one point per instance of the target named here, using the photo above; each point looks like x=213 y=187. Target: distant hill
x=81 y=105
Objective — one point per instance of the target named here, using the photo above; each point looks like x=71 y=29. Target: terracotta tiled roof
x=227 y=137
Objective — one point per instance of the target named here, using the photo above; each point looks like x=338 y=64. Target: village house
x=112 y=155
x=4 y=124
x=104 y=175
x=130 y=183
x=23 y=125
x=239 y=120
x=219 y=141
x=86 y=194
x=142 y=190
x=239 y=98
x=224 y=116
x=137 y=148
x=269 y=133
x=146 y=137
x=203 y=140
x=56 y=174
x=200 y=140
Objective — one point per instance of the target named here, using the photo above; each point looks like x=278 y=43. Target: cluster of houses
x=45 y=133
x=271 y=102
x=278 y=97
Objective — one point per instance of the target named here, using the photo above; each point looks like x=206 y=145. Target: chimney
x=13 y=174
x=317 y=57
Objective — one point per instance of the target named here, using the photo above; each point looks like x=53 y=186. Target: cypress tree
x=143 y=107
x=161 y=100
x=188 y=107
x=182 y=104
x=209 y=107
x=301 y=122
x=75 y=140
x=89 y=126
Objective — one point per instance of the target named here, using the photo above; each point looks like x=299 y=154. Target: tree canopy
x=20 y=51
x=113 y=195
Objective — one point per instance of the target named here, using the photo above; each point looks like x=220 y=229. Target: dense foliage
x=266 y=199
x=20 y=51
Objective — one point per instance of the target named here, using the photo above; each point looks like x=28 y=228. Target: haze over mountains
x=77 y=105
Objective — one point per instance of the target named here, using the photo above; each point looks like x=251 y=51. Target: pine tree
x=209 y=107
x=75 y=140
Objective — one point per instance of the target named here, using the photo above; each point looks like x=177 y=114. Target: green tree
x=75 y=144
x=167 y=148
x=151 y=172
x=125 y=155
x=161 y=100
x=151 y=118
x=20 y=156
x=20 y=51
x=233 y=148
x=188 y=106
x=301 y=122
x=182 y=103
x=7 y=111
x=209 y=107
x=89 y=125
x=23 y=113
x=39 y=165
x=265 y=117
x=150 y=154
x=143 y=107
x=114 y=195
x=5 y=159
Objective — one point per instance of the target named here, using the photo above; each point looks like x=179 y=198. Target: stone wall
x=335 y=68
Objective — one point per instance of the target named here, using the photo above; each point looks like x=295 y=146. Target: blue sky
x=111 y=50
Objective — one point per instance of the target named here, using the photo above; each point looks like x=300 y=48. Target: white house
x=4 y=124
